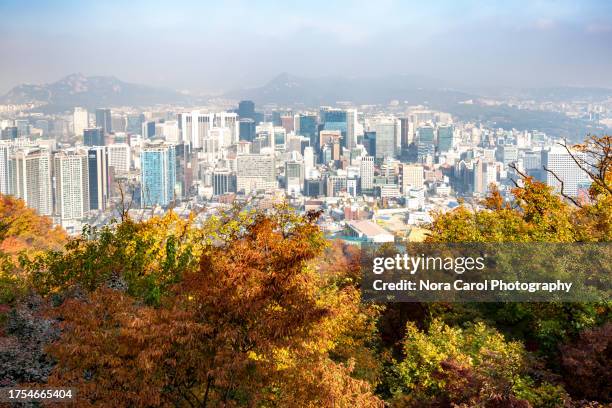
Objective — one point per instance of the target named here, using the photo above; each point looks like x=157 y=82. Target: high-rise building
x=558 y=161
x=168 y=130
x=445 y=138
x=119 y=157
x=426 y=135
x=196 y=130
x=366 y=172
x=10 y=133
x=93 y=137
x=412 y=176
x=246 y=110
x=104 y=120
x=80 y=120
x=23 y=127
x=134 y=123
x=307 y=126
x=30 y=179
x=387 y=133
x=247 y=129
x=335 y=120
x=148 y=129
x=5 y=155
x=98 y=177
x=309 y=161
x=224 y=181
x=158 y=174
x=294 y=176
x=255 y=172
x=287 y=123
x=71 y=184
x=351 y=128
x=485 y=174
x=406 y=132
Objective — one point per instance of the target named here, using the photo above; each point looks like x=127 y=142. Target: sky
x=209 y=47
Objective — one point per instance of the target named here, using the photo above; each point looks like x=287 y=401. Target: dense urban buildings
x=392 y=165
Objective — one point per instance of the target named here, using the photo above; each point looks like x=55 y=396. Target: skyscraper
x=445 y=138
x=10 y=133
x=72 y=184
x=148 y=129
x=223 y=182
x=80 y=120
x=366 y=172
x=426 y=135
x=158 y=174
x=386 y=136
x=294 y=176
x=246 y=110
x=104 y=120
x=412 y=177
x=406 y=132
x=247 y=129
x=119 y=157
x=93 y=137
x=5 y=154
x=307 y=126
x=559 y=161
x=335 y=119
x=134 y=123
x=98 y=177
x=351 y=128
x=255 y=172
x=30 y=179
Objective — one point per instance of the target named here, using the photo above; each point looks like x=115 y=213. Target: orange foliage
x=21 y=228
x=253 y=325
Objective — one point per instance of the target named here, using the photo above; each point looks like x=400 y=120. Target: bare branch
x=570 y=198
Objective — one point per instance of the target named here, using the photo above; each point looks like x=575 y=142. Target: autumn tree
x=251 y=323
x=550 y=330
x=474 y=366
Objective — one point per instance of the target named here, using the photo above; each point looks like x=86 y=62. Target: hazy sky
x=221 y=45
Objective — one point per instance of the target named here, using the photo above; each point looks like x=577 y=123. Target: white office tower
x=119 y=157
x=294 y=177
x=195 y=127
x=351 y=128
x=559 y=161
x=309 y=161
x=30 y=179
x=169 y=130
x=71 y=184
x=97 y=164
x=80 y=120
x=366 y=172
x=228 y=120
x=5 y=153
x=412 y=177
x=255 y=172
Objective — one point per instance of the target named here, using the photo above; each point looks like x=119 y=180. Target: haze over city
x=219 y=46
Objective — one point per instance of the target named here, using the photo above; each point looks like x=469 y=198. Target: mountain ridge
x=90 y=92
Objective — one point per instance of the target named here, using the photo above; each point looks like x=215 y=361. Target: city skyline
x=208 y=47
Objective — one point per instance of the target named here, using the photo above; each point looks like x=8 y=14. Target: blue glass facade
x=158 y=175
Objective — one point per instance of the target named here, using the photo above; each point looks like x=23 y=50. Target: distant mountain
x=287 y=89
x=90 y=92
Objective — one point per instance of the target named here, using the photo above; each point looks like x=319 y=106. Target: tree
x=251 y=324
x=474 y=366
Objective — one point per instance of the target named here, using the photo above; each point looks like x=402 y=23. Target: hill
x=90 y=92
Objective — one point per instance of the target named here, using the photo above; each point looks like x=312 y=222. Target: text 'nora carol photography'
x=484 y=272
